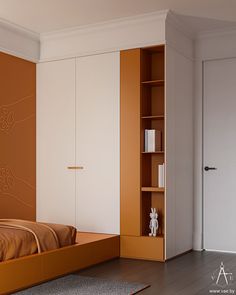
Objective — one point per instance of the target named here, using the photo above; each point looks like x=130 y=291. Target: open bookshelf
x=142 y=107
x=154 y=96
x=152 y=115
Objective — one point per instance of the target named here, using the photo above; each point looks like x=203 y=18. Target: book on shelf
x=161 y=175
x=152 y=140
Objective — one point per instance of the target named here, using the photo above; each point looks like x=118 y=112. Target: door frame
x=203 y=102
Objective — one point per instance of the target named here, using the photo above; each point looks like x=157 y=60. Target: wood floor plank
x=189 y=274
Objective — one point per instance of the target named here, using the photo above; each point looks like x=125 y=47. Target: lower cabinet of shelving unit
x=148 y=248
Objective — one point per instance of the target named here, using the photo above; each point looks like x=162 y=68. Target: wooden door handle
x=75 y=167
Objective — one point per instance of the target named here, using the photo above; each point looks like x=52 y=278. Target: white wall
x=214 y=45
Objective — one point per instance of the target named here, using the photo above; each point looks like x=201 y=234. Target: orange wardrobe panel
x=17 y=137
x=130 y=142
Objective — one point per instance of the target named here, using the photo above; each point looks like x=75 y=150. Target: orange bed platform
x=91 y=249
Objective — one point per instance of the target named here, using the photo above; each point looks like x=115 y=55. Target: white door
x=97 y=143
x=220 y=153
x=56 y=141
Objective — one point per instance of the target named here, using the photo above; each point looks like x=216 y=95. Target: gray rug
x=80 y=285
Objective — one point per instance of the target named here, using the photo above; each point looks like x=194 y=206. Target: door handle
x=206 y=168
x=75 y=167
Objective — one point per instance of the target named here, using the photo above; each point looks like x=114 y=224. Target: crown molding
x=19 y=29
x=111 y=24
x=18 y=41
x=173 y=20
x=129 y=32
x=211 y=45
x=178 y=36
x=216 y=33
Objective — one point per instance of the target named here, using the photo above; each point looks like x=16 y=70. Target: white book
x=161 y=175
x=151 y=140
x=146 y=140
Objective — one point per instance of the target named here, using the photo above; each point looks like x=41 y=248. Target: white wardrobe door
x=97 y=143
x=56 y=141
x=179 y=153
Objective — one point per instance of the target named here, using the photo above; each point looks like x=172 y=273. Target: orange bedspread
x=20 y=237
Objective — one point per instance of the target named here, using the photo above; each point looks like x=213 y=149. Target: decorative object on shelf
x=161 y=175
x=153 y=223
x=152 y=140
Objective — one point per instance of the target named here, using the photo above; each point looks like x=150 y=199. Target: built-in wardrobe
x=78 y=142
x=93 y=170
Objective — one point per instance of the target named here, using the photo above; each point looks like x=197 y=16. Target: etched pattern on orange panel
x=17 y=138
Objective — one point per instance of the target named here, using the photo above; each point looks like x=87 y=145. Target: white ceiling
x=49 y=15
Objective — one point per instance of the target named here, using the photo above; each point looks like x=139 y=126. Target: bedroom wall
x=17 y=138
x=209 y=46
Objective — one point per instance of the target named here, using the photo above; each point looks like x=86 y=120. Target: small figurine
x=153 y=223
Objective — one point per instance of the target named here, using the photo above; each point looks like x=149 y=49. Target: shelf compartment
x=153 y=64
x=159 y=117
x=153 y=189
x=149 y=172
x=157 y=123
x=153 y=101
x=153 y=200
x=153 y=83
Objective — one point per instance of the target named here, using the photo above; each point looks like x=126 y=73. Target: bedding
x=20 y=237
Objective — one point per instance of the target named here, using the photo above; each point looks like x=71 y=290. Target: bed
x=90 y=249
x=20 y=238
x=36 y=266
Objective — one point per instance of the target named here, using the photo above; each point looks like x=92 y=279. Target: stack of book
x=152 y=140
x=161 y=175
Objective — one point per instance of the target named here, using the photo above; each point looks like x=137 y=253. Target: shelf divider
x=157 y=152
x=153 y=189
x=159 y=117
x=153 y=83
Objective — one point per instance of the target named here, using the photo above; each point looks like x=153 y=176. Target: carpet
x=81 y=285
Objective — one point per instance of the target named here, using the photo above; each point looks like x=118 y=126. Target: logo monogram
x=222 y=276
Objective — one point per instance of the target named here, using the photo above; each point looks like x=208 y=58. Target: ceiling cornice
x=111 y=24
x=216 y=33
x=19 y=29
x=119 y=34
x=173 y=20
x=19 y=41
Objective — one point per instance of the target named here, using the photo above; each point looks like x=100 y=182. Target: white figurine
x=153 y=222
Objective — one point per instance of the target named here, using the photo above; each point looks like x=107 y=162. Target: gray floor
x=186 y=275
